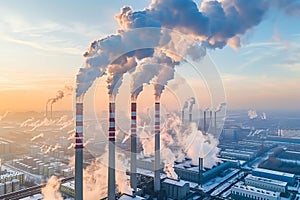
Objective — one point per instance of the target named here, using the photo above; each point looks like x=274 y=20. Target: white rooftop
x=266 y=180
x=179 y=182
x=252 y=189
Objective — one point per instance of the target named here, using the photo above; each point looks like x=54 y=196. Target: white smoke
x=4 y=116
x=252 y=114
x=41 y=135
x=51 y=190
x=188 y=140
x=263 y=116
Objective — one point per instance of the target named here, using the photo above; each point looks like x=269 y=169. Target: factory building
x=176 y=189
x=11 y=176
x=276 y=175
x=241 y=191
x=240 y=155
x=9 y=186
x=68 y=188
x=190 y=172
x=265 y=183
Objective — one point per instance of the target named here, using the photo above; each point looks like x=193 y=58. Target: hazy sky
x=42 y=42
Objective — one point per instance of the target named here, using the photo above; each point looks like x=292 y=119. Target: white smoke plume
x=41 y=135
x=220 y=106
x=188 y=140
x=4 y=116
x=252 y=114
x=263 y=116
x=185 y=105
x=210 y=25
x=51 y=190
x=66 y=91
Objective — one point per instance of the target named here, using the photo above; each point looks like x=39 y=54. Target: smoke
x=263 y=116
x=252 y=114
x=51 y=190
x=178 y=141
x=214 y=24
x=191 y=103
x=4 y=116
x=220 y=106
x=185 y=105
x=66 y=91
x=36 y=137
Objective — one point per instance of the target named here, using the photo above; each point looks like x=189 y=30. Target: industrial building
x=240 y=191
x=189 y=172
x=176 y=189
x=265 y=183
x=68 y=188
x=276 y=175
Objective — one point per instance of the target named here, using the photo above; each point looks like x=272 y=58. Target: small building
x=265 y=183
x=176 y=189
x=68 y=188
x=276 y=175
x=240 y=191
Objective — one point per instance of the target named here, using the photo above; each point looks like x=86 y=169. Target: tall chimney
x=182 y=116
x=200 y=178
x=190 y=116
x=133 y=178
x=215 y=123
x=51 y=110
x=79 y=152
x=157 y=148
x=210 y=119
x=111 y=148
x=204 y=122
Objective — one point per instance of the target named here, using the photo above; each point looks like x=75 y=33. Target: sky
x=42 y=43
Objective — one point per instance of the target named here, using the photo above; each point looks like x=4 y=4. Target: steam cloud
x=188 y=140
x=252 y=114
x=60 y=95
x=214 y=24
x=51 y=190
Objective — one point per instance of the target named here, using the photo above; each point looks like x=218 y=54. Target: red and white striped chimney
x=79 y=152
x=133 y=177
x=111 y=148
x=157 y=148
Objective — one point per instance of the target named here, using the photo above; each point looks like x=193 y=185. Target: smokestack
x=204 y=121
x=215 y=123
x=185 y=105
x=200 y=171
x=133 y=178
x=51 y=110
x=157 y=148
x=190 y=117
x=78 y=152
x=210 y=119
x=112 y=159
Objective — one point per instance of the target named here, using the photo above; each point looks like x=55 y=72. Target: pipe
x=112 y=159
x=133 y=175
x=78 y=152
x=157 y=148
